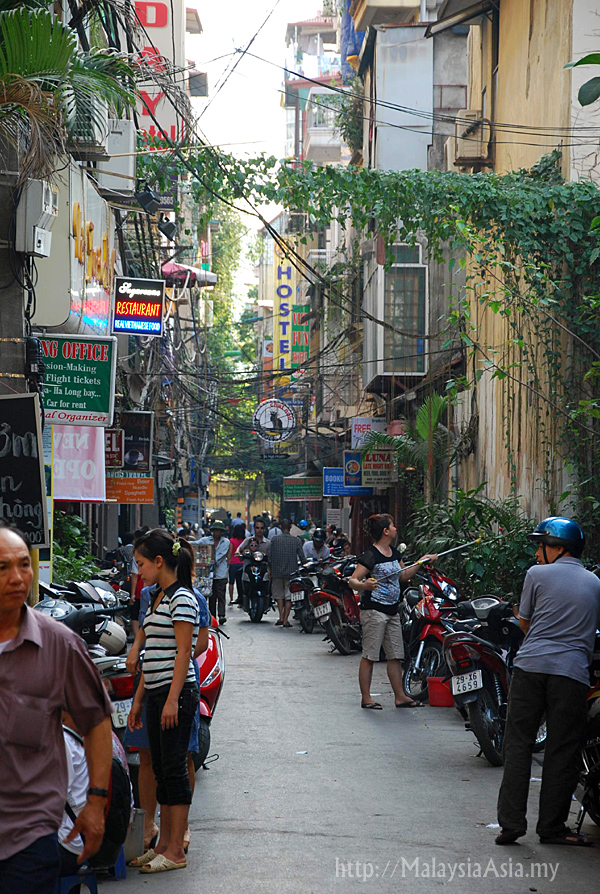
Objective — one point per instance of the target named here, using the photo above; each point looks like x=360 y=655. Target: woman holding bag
x=169 y=686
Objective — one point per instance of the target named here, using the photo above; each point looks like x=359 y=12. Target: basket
x=440 y=694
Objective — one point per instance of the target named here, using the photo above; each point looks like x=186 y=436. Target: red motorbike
x=335 y=607
x=427 y=627
x=212 y=675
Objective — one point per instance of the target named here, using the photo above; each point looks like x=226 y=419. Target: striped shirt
x=177 y=604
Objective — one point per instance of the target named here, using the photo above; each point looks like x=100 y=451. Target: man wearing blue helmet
x=559 y=613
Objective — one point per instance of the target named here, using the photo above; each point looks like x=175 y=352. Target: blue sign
x=333 y=485
x=352 y=468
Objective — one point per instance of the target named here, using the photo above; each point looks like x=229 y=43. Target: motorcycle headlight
x=212 y=675
x=257 y=556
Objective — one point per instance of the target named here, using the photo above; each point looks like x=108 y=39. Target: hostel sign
x=80 y=379
x=138 y=306
x=285 y=292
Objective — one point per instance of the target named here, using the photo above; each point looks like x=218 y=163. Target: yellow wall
x=533 y=89
x=228 y=494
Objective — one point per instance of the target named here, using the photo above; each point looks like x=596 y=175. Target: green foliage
x=71 y=559
x=349 y=114
x=498 y=564
x=590 y=91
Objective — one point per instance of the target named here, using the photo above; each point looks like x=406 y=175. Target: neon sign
x=138 y=307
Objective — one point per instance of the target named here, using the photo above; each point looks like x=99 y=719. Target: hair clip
x=176 y=547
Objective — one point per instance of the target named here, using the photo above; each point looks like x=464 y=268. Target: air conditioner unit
x=36 y=212
x=117 y=175
x=472 y=137
x=89 y=139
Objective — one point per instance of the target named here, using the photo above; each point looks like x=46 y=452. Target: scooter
x=212 y=675
x=335 y=607
x=304 y=582
x=480 y=662
x=424 y=630
x=256 y=598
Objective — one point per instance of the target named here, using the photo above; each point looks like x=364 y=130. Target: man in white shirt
x=221 y=550
x=315 y=548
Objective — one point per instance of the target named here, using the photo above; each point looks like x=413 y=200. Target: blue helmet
x=560 y=531
x=303 y=524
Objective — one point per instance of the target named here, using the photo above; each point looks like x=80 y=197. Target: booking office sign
x=139 y=306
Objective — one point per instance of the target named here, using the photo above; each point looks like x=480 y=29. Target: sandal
x=574 y=839
x=145 y=858
x=279 y=623
x=411 y=704
x=287 y=624
x=161 y=864
x=372 y=706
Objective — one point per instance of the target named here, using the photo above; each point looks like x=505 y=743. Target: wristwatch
x=100 y=792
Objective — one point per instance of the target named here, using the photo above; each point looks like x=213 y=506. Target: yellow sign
x=284 y=274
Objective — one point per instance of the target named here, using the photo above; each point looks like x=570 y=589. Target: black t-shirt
x=386 y=597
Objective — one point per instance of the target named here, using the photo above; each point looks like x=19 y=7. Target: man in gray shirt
x=284 y=557
x=559 y=612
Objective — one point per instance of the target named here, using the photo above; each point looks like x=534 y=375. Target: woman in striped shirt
x=169 y=685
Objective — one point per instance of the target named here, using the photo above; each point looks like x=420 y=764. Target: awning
x=182 y=274
x=457 y=12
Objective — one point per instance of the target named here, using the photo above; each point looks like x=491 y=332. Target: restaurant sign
x=139 y=305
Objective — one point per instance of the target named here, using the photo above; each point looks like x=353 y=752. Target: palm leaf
x=34 y=46
x=32 y=123
x=429 y=415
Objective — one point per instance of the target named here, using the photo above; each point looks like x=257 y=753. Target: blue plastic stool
x=119 y=869
x=68 y=882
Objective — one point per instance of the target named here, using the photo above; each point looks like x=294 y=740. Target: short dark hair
x=377 y=525
x=259 y=521
x=160 y=542
x=285 y=524
x=128 y=538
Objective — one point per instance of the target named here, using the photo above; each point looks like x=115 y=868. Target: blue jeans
x=34 y=870
x=169 y=747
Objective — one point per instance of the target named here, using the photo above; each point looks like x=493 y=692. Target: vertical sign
x=162 y=25
x=78 y=464
x=285 y=291
x=22 y=476
x=300 y=336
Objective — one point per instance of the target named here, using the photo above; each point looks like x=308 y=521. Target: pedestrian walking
x=220 y=544
x=284 y=556
x=168 y=685
x=238 y=522
x=379 y=604
x=559 y=612
x=44 y=669
x=236 y=566
x=274 y=530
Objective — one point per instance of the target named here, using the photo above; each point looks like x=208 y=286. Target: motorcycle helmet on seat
x=560 y=531
x=113 y=638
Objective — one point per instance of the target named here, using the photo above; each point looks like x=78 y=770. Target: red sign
x=114 y=448
x=130 y=490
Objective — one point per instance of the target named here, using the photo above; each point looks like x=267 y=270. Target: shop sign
x=78 y=463
x=296 y=489
x=274 y=421
x=114 y=449
x=79 y=387
x=138 y=428
x=379 y=467
x=361 y=426
x=333 y=485
x=300 y=338
x=129 y=490
x=22 y=476
x=138 y=306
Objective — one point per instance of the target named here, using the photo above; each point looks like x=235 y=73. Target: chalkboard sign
x=22 y=479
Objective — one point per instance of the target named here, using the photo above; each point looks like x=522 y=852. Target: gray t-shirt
x=562 y=601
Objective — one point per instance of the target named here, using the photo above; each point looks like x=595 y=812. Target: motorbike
x=424 y=630
x=212 y=675
x=302 y=584
x=93 y=622
x=480 y=660
x=335 y=607
x=256 y=597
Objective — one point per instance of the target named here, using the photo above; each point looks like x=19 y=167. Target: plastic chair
x=119 y=870
x=68 y=882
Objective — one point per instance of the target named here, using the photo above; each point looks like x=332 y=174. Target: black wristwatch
x=100 y=792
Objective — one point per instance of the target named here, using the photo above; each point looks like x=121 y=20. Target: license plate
x=321 y=610
x=297 y=597
x=467 y=682
x=120 y=712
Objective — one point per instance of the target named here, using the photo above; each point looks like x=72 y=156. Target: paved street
x=384 y=789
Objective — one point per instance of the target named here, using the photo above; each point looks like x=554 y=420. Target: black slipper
x=508 y=836
x=413 y=704
x=567 y=837
x=372 y=706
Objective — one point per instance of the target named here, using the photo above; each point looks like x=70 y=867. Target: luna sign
x=138 y=307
